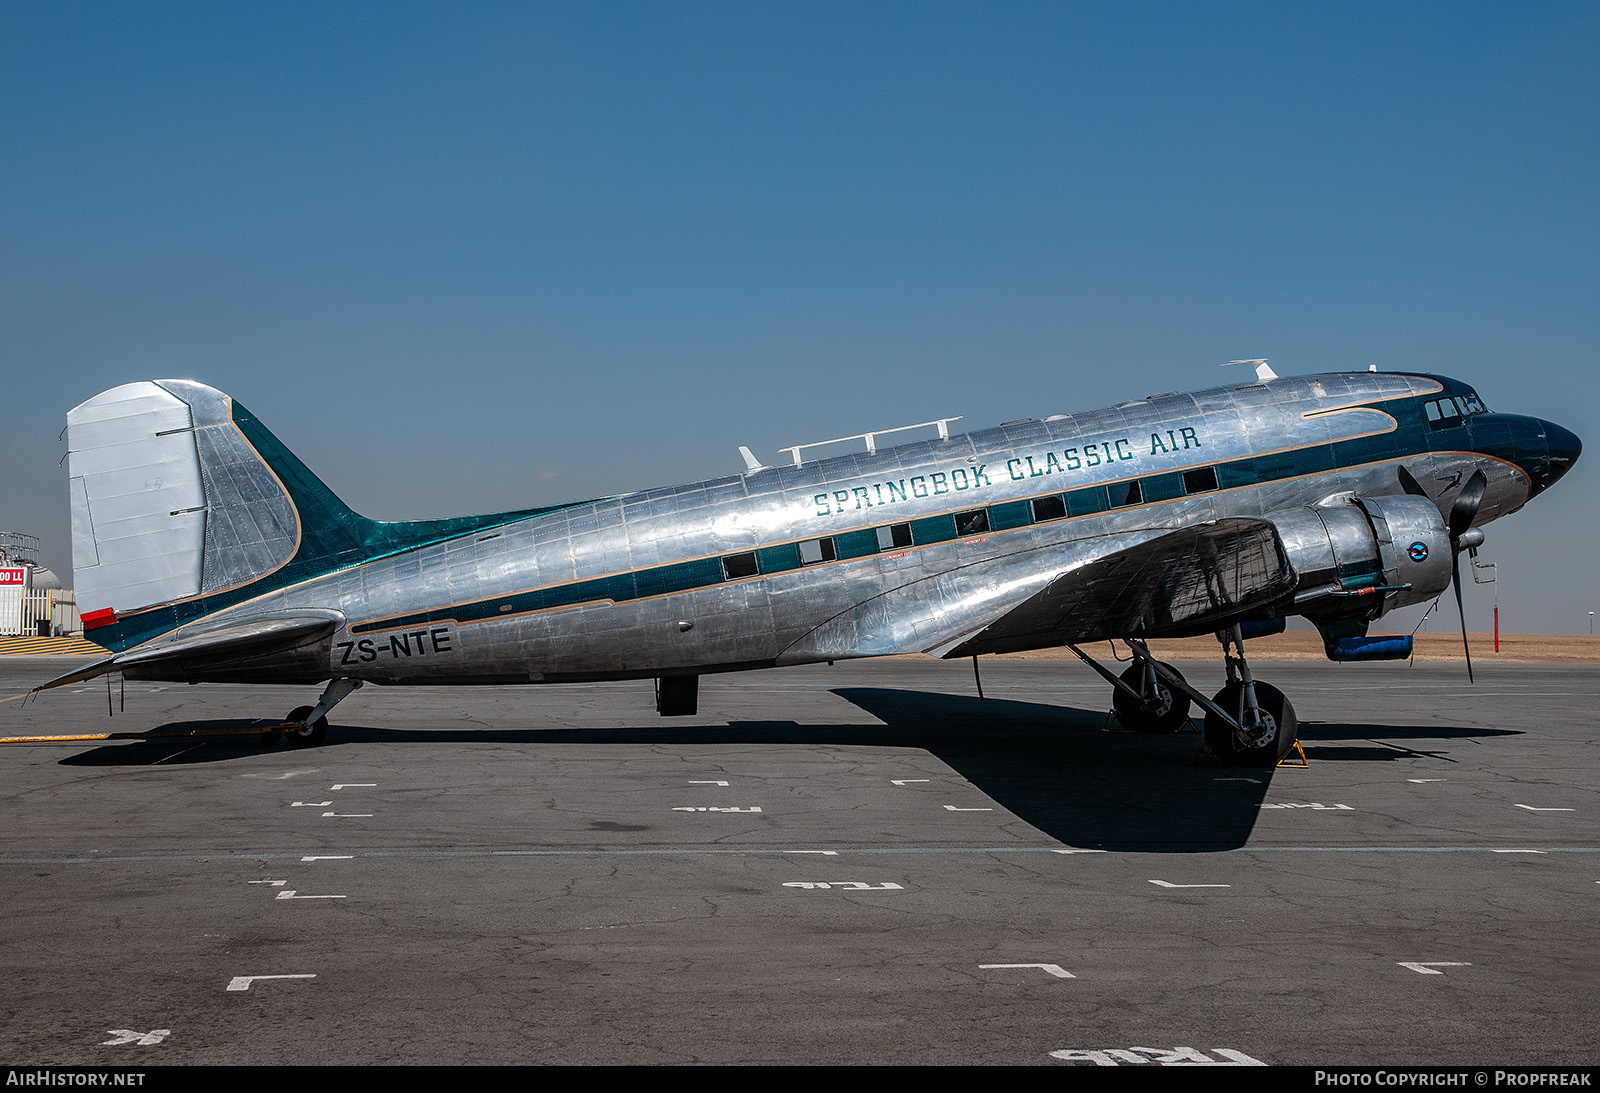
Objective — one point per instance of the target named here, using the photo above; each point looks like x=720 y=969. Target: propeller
x=1409 y=483
x=1460 y=523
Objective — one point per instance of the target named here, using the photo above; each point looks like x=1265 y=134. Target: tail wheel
x=1164 y=711
x=303 y=735
x=1224 y=742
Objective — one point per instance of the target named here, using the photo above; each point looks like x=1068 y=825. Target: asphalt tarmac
x=858 y=864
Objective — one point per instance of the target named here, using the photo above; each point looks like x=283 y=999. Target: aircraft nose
x=1543 y=450
x=1564 y=448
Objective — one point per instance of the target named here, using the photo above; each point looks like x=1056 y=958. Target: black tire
x=1220 y=737
x=306 y=736
x=1167 y=714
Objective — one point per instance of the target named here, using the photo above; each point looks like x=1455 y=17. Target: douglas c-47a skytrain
x=204 y=551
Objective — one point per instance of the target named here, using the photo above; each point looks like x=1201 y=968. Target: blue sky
x=475 y=256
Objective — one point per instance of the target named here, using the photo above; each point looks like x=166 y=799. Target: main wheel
x=305 y=736
x=1165 y=711
x=1224 y=742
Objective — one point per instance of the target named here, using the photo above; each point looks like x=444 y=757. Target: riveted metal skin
x=1007 y=537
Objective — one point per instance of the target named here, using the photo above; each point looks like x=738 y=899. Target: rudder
x=169 y=499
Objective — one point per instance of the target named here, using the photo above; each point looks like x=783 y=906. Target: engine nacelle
x=1365 y=556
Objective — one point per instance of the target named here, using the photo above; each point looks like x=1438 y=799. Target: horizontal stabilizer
x=195 y=649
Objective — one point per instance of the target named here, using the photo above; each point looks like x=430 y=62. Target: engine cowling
x=1361 y=557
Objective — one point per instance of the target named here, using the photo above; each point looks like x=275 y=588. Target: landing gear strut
x=1151 y=696
x=1148 y=703
x=307 y=726
x=1248 y=723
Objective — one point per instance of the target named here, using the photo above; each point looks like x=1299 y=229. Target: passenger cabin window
x=1048 y=508
x=1200 y=480
x=735 y=566
x=813 y=551
x=895 y=535
x=975 y=522
x=1125 y=493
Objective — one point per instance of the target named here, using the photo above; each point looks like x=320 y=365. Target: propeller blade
x=1455 y=579
x=1466 y=506
x=1409 y=483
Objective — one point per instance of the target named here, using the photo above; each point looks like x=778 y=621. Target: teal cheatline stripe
x=856 y=544
x=1011 y=514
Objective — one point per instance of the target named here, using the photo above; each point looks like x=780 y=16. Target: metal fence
x=45 y=612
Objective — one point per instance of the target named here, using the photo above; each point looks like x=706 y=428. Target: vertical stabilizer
x=169 y=500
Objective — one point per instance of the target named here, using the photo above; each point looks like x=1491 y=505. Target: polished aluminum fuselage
x=588 y=592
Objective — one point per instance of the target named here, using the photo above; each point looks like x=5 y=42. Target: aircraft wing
x=1183 y=581
x=1156 y=582
x=211 y=647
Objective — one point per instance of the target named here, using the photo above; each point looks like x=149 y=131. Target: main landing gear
x=1247 y=723
x=307 y=726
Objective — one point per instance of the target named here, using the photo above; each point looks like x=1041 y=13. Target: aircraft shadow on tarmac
x=1058 y=769
x=1054 y=767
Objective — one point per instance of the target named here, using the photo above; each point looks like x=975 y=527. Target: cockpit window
x=1442 y=413
x=1448 y=411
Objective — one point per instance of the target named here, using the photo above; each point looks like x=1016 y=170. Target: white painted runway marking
x=694 y=782
x=242 y=982
x=1315 y=806
x=1054 y=969
x=1531 y=808
x=1178 y=1056
x=848 y=885
x=128 y=1036
x=1516 y=851
x=311 y=804
x=354 y=815
x=827 y=853
x=1252 y=781
x=289 y=893
x=907 y=781
x=1419 y=781
x=1427 y=967
x=355 y=785
x=327 y=857
x=711 y=808
x=1169 y=884
x=274 y=883
x=1076 y=850
x=953 y=808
